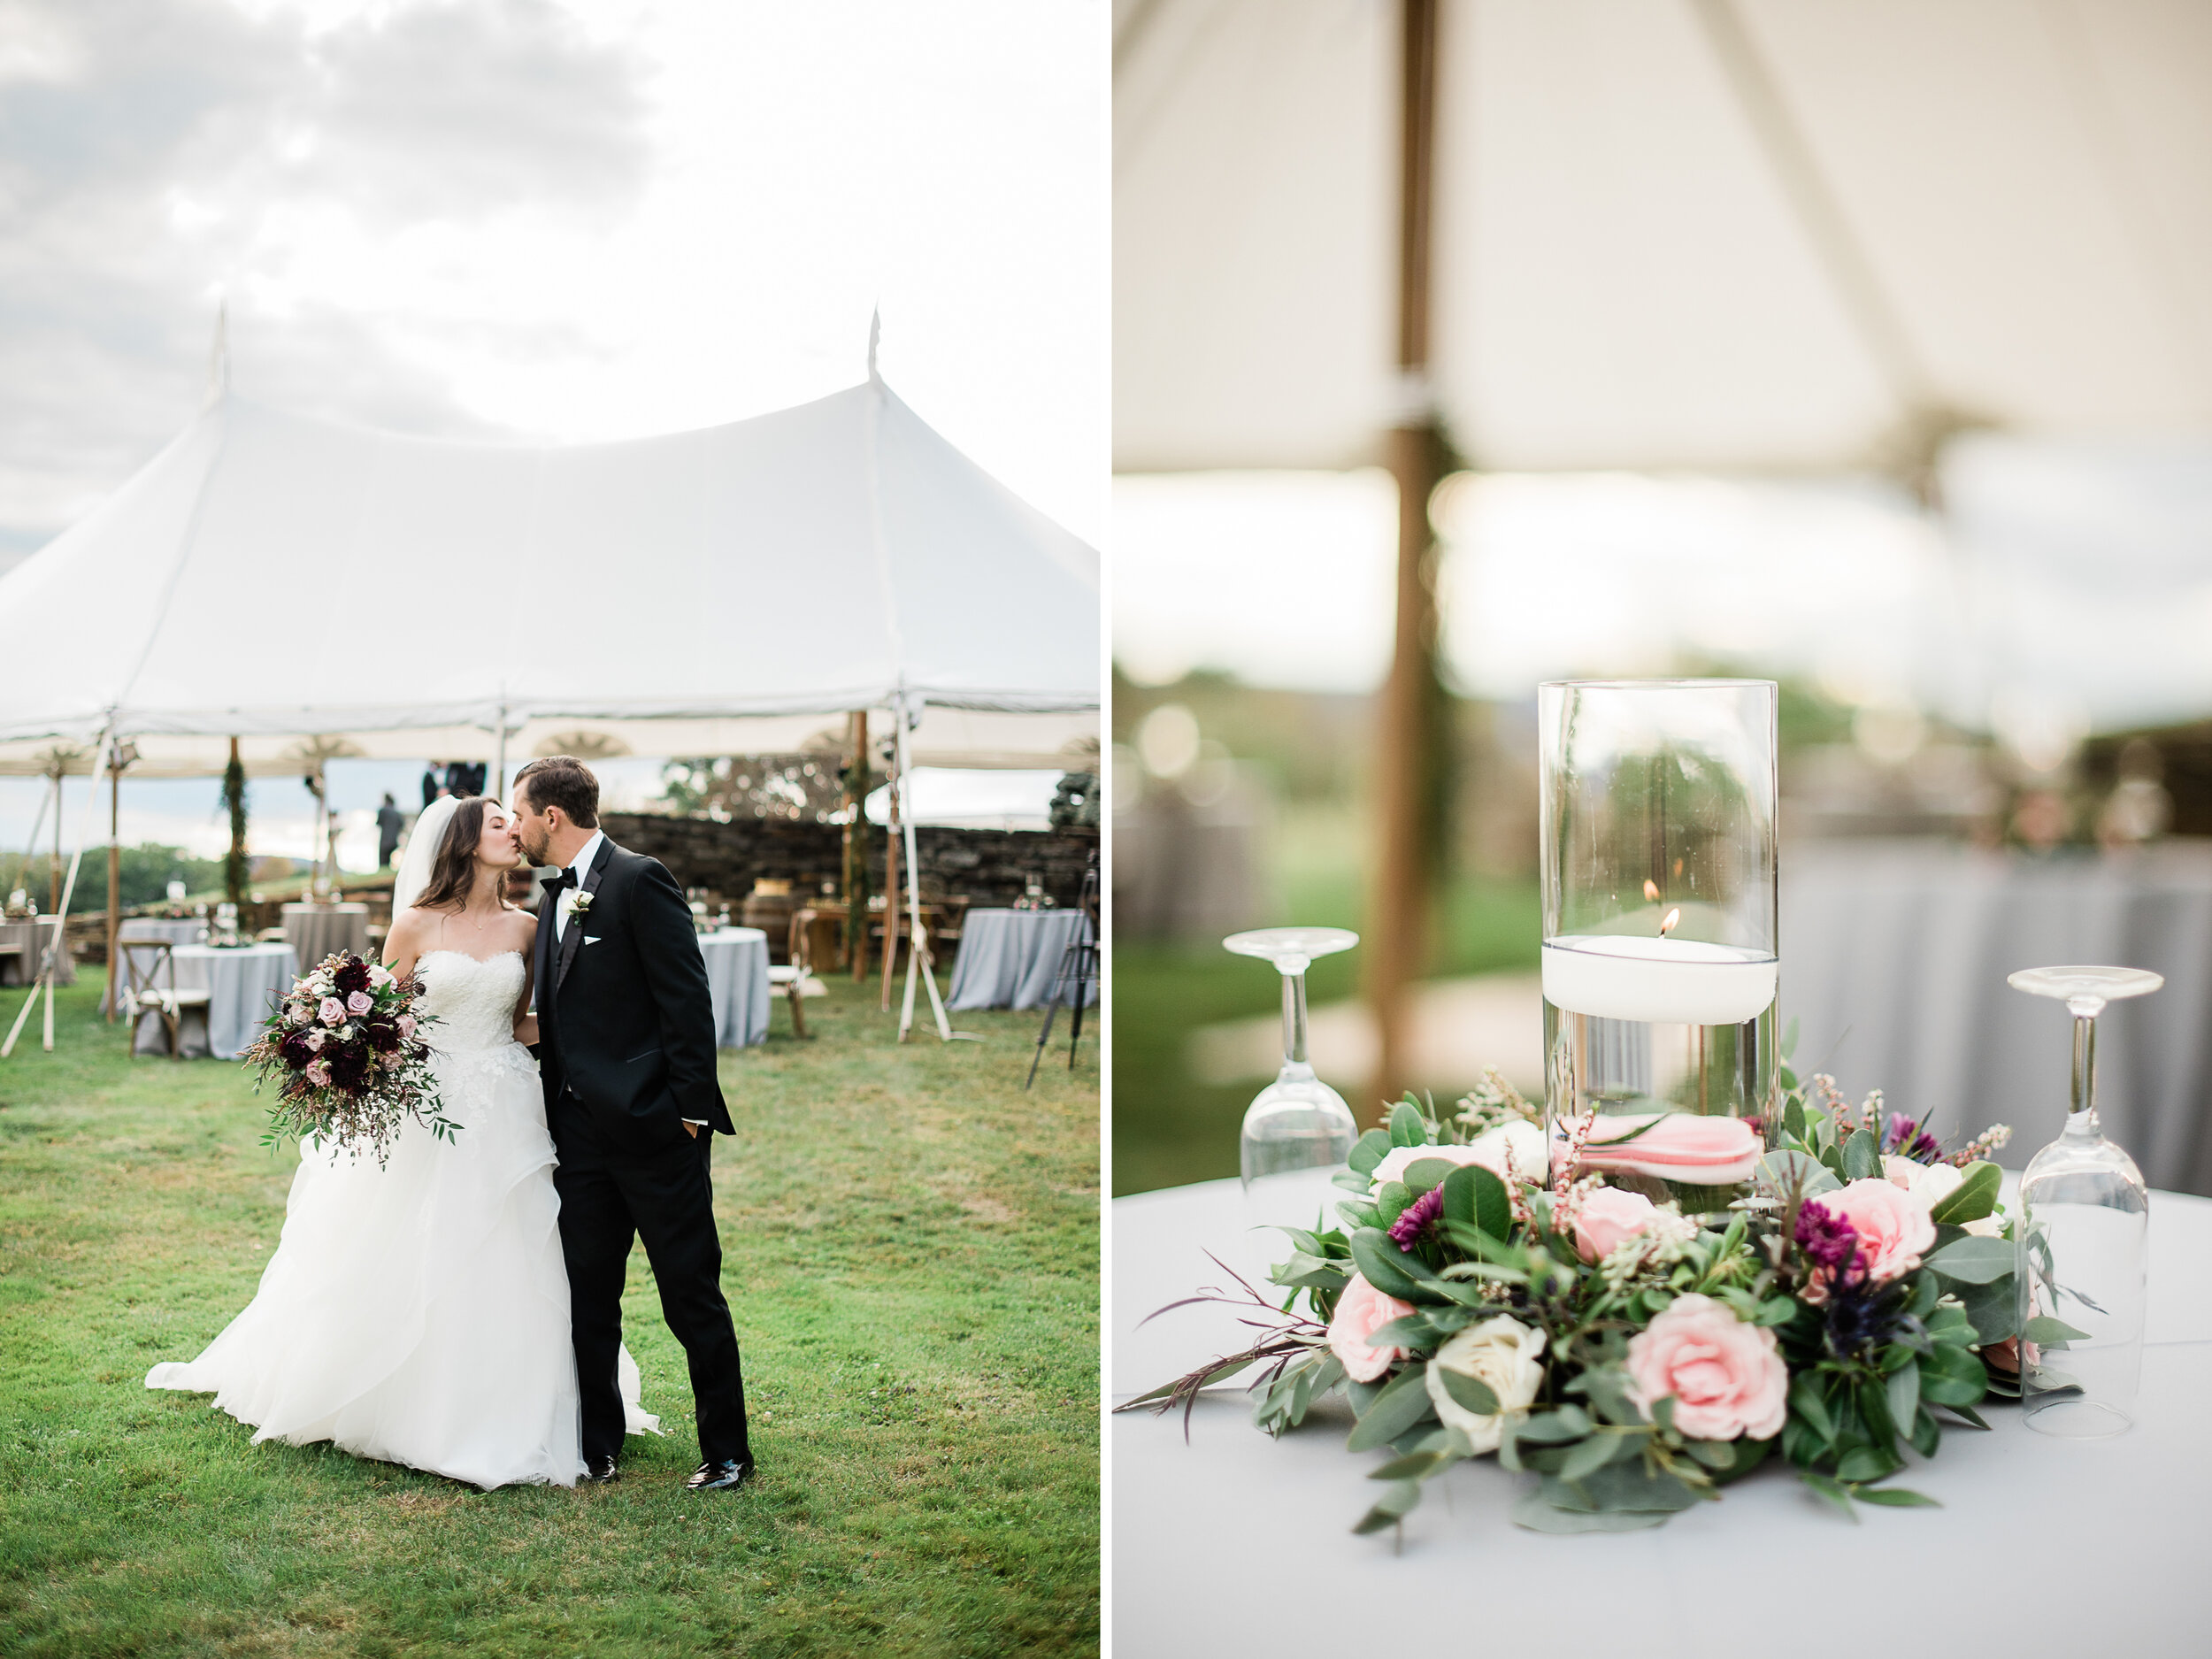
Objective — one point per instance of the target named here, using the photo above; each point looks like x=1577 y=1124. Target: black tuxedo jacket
x=625 y=1020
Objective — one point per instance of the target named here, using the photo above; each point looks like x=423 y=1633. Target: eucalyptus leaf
x=1368 y=1150
x=1531 y=1511
x=1406 y=1128
x=1588 y=1456
x=1861 y=1156
x=1972 y=1198
x=1416 y=1466
x=1424 y=1174
x=1393 y=1199
x=1391 y=1508
x=2049 y=1332
x=1783 y=1170
x=1399 y=1407
x=1384 y=1266
x=1897 y=1498
x=1569 y=1423
x=1867 y=1462
x=1903 y=1387
x=1470 y=1393
x=1973 y=1260
x=1992 y=1311
x=1806 y=1401
x=1494 y=1211
x=1828 y=1489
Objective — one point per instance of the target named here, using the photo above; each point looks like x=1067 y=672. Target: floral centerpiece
x=345 y=1049
x=1489 y=1294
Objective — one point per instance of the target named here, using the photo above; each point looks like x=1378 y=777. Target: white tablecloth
x=1011 y=958
x=1237 y=1544
x=737 y=975
x=242 y=982
x=34 y=937
x=1894 y=963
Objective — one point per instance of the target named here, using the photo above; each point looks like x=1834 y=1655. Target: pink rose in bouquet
x=1893 y=1228
x=332 y=1012
x=1360 y=1311
x=360 y=1003
x=1727 y=1377
x=1609 y=1214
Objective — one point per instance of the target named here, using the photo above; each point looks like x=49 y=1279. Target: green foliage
x=148 y=869
x=909 y=1249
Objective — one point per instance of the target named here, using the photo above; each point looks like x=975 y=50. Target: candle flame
x=1651 y=890
x=1667 y=927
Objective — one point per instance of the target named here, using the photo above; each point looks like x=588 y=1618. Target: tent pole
x=115 y=885
x=917 y=953
x=53 y=864
x=891 y=879
x=498 y=791
x=52 y=960
x=855 y=882
x=1407 y=768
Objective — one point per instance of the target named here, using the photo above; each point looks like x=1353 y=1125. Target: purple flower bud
x=1828 y=1239
x=1407 y=1230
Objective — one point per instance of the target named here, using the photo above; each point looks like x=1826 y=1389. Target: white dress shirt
x=582 y=865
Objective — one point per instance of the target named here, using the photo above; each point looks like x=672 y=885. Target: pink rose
x=332 y=1011
x=318 y=1073
x=1685 y=1146
x=1360 y=1311
x=1523 y=1140
x=406 y=1025
x=360 y=1003
x=1611 y=1214
x=314 y=1040
x=299 y=1016
x=1894 y=1226
x=1726 y=1376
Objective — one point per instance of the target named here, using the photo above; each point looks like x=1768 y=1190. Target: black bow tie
x=554 y=884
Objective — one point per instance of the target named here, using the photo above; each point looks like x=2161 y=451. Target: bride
x=418 y=1312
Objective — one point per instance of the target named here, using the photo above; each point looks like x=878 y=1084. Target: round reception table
x=737 y=979
x=316 y=931
x=1237 y=1543
x=1011 y=958
x=242 y=981
x=178 y=930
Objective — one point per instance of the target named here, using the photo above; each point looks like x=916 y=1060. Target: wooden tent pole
x=855 y=882
x=1407 y=760
x=891 y=881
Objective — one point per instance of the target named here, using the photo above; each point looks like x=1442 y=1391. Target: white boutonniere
x=580 y=906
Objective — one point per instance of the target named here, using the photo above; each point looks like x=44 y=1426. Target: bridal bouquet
x=1488 y=1294
x=344 y=1047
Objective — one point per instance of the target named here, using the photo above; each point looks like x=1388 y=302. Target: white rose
x=1987 y=1227
x=1502 y=1353
x=380 y=977
x=1489 y=1150
x=1929 y=1183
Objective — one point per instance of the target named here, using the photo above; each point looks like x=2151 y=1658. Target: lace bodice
x=475 y=1002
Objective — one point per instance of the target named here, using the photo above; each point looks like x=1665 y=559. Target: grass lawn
x=1169 y=1127
x=910 y=1251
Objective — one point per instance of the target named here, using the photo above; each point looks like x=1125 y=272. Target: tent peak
x=875 y=337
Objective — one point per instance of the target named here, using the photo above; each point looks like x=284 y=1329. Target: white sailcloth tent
x=311 y=588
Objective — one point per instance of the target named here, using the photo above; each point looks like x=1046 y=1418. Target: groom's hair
x=563 y=781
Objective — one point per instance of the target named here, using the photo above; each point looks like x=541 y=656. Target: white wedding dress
x=418 y=1313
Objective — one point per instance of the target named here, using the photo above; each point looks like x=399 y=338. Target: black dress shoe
x=604 y=1473
x=723 y=1477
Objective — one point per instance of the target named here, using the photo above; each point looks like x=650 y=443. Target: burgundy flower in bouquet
x=346 y=1052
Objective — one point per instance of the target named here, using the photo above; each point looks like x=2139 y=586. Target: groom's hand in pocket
x=691 y=1129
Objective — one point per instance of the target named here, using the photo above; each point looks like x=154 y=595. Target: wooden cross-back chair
x=147 y=963
x=791 y=977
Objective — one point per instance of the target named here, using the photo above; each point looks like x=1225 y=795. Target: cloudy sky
x=542 y=220
x=532 y=219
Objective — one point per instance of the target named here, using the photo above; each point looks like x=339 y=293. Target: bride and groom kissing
x=459 y=1308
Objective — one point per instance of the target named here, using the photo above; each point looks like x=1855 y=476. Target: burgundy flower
x=1829 y=1242
x=296 y=1052
x=349 y=1066
x=352 y=975
x=1416 y=1219
x=383 y=1035
x=1906 y=1139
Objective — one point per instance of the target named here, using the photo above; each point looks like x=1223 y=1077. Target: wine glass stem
x=1294 y=1018
x=2085 y=1065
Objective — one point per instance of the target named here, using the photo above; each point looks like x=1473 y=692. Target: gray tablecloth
x=737 y=975
x=314 y=931
x=34 y=936
x=1011 y=958
x=1237 y=1543
x=178 y=930
x=1893 y=964
x=242 y=982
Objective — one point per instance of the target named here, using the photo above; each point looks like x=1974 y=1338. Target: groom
x=626 y=1055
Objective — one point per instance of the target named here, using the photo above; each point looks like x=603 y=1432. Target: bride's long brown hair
x=453 y=873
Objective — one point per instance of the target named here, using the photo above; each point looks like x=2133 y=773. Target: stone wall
x=988 y=867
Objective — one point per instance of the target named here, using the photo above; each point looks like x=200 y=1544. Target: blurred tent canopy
x=1725 y=235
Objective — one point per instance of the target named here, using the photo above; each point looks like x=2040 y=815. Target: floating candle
x=1661 y=981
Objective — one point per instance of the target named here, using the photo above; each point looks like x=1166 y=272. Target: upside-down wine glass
x=1298 y=1132
x=2082 y=1235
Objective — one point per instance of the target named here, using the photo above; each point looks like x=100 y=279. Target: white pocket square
x=592 y=939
